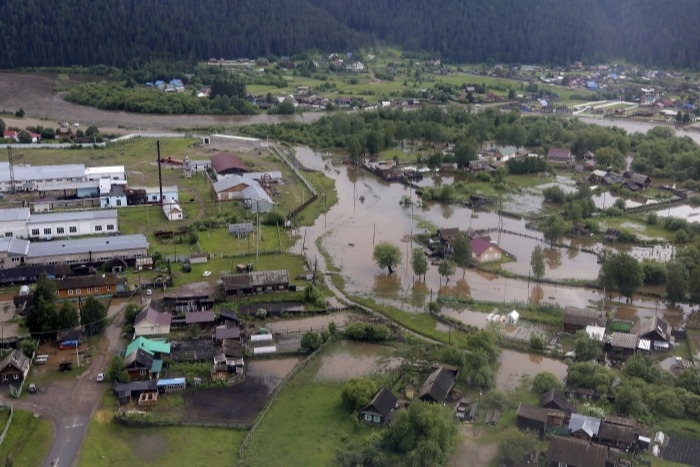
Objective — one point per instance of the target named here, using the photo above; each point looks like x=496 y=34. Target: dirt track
x=34 y=92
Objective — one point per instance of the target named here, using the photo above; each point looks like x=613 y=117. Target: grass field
x=27 y=442
x=109 y=444
x=305 y=426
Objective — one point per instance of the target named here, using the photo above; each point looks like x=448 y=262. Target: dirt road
x=69 y=404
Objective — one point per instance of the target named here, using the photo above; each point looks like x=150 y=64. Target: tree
x=28 y=346
x=462 y=251
x=545 y=381
x=554 y=194
x=130 y=313
x=24 y=137
x=419 y=262
x=66 y=317
x=310 y=341
x=357 y=393
x=537 y=263
x=114 y=370
x=91 y=131
x=465 y=151
x=3 y=127
x=354 y=148
x=623 y=273
x=424 y=434
x=93 y=316
x=516 y=445
x=537 y=343
x=586 y=348
x=387 y=255
x=676 y=281
x=554 y=231
x=689 y=380
x=446 y=269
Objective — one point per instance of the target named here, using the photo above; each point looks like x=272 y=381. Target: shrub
x=368 y=332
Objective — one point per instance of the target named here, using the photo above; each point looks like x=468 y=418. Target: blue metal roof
x=168 y=382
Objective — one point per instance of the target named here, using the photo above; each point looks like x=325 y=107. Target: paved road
x=69 y=404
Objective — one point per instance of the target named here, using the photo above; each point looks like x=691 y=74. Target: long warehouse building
x=19 y=222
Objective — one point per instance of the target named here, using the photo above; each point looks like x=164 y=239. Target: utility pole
x=12 y=169
x=160 y=175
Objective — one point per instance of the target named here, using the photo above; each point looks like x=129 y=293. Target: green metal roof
x=150 y=346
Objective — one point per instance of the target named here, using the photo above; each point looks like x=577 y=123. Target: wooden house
x=256 y=282
x=14 y=367
x=572 y=452
x=484 y=251
x=86 y=286
x=539 y=419
x=438 y=384
x=554 y=399
x=152 y=323
x=380 y=408
x=578 y=318
x=655 y=329
x=560 y=156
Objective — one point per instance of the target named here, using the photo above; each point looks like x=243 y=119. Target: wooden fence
x=9 y=422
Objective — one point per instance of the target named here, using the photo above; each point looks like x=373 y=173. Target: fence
x=134 y=422
x=9 y=421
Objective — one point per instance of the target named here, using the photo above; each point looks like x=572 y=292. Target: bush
x=545 y=381
x=311 y=341
x=357 y=393
x=368 y=332
x=274 y=218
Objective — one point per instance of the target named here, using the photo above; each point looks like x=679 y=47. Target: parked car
x=149 y=292
x=32 y=388
x=100 y=377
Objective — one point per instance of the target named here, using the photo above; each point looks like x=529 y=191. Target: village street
x=69 y=404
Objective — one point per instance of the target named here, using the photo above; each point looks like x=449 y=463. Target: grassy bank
x=109 y=444
x=28 y=440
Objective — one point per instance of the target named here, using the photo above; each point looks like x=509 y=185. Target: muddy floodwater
x=311 y=323
x=270 y=372
x=515 y=365
x=354 y=360
x=368 y=212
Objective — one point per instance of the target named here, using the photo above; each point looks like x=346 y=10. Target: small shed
x=171 y=385
x=512 y=318
x=266 y=350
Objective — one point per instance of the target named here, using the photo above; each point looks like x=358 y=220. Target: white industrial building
x=19 y=222
x=88 y=250
x=57 y=177
x=237 y=187
x=73 y=223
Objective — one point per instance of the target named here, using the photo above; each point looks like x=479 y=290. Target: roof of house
x=92 y=280
x=558 y=398
x=228 y=315
x=639 y=179
x=17 y=360
x=589 y=425
x=571 y=451
x=155 y=190
x=584 y=317
x=225 y=161
x=14 y=214
x=480 y=245
x=28 y=173
x=618 y=433
x=559 y=153
x=151 y=346
x=255 y=279
x=255 y=192
x=654 y=324
x=94 y=245
x=232 y=348
x=14 y=246
x=383 y=402
x=194 y=317
x=153 y=316
x=507 y=150
x=138 y=358
x=439 y=383
x=622 y=340
x=73 y=216
x=171 y=206
x=681 y=450
x=69 y=334
x=624 y=421
x=135 y=386
x=225 y=183
x=223 y=332
x=532 y=412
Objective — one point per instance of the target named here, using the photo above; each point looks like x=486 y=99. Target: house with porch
x=140 y=364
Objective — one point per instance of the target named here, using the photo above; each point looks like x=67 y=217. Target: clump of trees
x=621 y=272
x=387 y=255
x=368 y=332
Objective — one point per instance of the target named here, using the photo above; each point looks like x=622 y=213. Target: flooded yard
x=355 y=360
x=515 y=365
x=310 y=323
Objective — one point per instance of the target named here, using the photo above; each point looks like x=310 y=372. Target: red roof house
x=484 y=251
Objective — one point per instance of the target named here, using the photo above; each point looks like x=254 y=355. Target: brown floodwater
x=311 y=323
x=270 y=372
x=368 y=212
x=515 y=365
x=352 y=360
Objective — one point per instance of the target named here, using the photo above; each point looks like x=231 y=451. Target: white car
x=100 y=377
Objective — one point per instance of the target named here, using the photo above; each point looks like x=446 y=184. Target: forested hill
x=117 y=32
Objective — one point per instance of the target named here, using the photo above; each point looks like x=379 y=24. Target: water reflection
x=537 y=294
x=387 y=285
x=419 y=294
x=552 y=256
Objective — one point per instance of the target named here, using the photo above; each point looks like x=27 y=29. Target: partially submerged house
x=438 y=384
x=380 y=408
x=484 y=251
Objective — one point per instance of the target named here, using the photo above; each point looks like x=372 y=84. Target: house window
x=4 y=377
x=35 y=232
x=72 y=229
x=142 y=372
x=368 y=417
x=47 y=231
x=60 y=230
x=88 y=290
x=377 y=419
x=110 y=226
x=77 y=291
x=16 y=376
x=119 y=202
x=98 y=228
x=70 y=291
x=8 y=234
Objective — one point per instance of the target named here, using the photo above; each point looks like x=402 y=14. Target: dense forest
x=120 y=32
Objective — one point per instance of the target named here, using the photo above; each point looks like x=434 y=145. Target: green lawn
x=27 y=442
x=305 y=426
x=109 y=444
